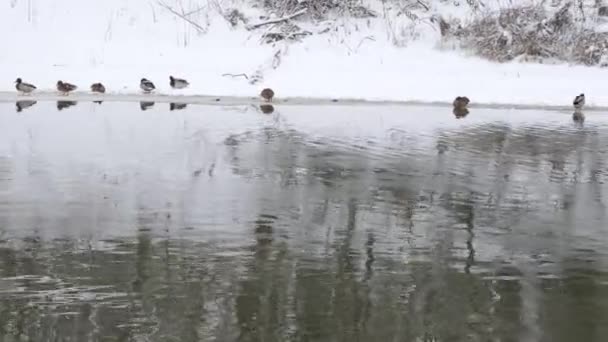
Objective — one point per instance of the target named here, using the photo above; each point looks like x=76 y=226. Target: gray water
x=159 y=222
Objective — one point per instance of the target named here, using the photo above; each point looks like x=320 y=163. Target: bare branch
x=168 y=8
x=236 y=75
x=278 y=20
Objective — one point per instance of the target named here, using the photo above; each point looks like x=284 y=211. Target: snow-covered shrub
x=535 y=32
x=319 y=9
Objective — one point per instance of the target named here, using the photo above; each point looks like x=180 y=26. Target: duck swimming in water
x=146 y=85
x=98 y=88
x=267 y=94
x=178 y=83
x=579 y=101
x=23 y=87
x=65 y=87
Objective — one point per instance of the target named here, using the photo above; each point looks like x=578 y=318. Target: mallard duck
x=98 y=88
x=21 y=105
x=178 y=83
x=146 y=85
x=461 y=102
x=65 y=87
x=579 y=101
x=267 y=94
x=23 y=87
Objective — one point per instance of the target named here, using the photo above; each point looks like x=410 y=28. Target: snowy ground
x=118 y=42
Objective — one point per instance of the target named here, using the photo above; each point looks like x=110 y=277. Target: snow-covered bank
x=118 y=42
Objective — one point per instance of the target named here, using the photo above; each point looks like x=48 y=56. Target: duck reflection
x=61 y=105
x=578 y=117
x=177 y=106
x=21 y=105
x=267 y=108
x=145 y=105
x=460 y=113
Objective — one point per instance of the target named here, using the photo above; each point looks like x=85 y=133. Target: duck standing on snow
x=65 y=87
x=267 y=94
x=98 y=88
x=178 y=83
x=146 y=85
x=23 y=87
x=579 y=101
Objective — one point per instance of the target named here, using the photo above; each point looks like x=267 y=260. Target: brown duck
x=98 y=88
x=267 y=94
x=461 y=102
x=65 y=87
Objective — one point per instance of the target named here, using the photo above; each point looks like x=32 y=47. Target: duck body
x=178 y=83
x=23 y=87
x=579 y=101
x=98 y=88
x=267 y=94
x=65 y=87
x=146 y=85
x=461 y=102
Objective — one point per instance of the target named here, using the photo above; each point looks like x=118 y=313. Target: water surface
x=172 y=222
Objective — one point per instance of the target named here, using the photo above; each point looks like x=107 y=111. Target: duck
x=461 y=102
x=23 y=87
x=98 y=88
x=579 y=101
x=178 y=83
x=65 y=87
x=146 y=85
x=267 y=94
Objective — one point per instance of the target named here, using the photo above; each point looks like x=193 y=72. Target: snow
x=118 y=42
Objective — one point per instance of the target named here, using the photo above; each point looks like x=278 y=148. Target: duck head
x=59 y=83
x=18 y=80
x=144 y=80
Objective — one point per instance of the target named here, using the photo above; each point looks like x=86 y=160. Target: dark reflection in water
x=267 y=109
x=190 y=228
x=61 y=105
x=177 y=106
x=98 y=102
x=578 y=117
x=460 y=113
x=145 y=105
x=23 y=104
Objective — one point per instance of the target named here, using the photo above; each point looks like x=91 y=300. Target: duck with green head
x=24 y=88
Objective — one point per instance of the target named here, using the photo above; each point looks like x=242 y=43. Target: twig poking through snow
x=236 y=75
x=278 y=20
x=183 y=17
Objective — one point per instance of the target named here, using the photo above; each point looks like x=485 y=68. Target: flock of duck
x=145 y=85
x=460 y=103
